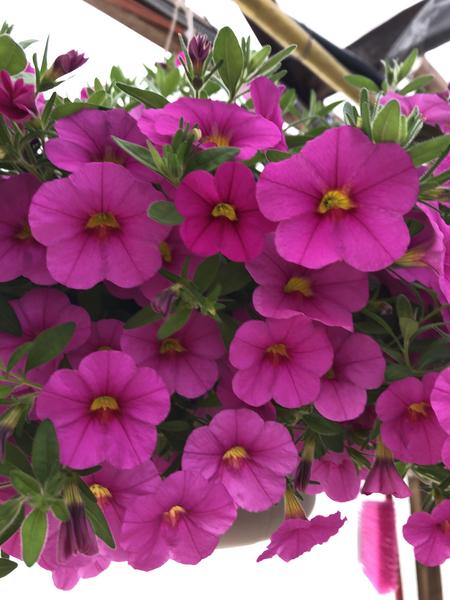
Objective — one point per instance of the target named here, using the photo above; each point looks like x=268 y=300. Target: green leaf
x=423 y=152
x=321 y=425
x=25 y=484
x=138 y=152
x=360 y=81
x=98 y=522
x=259 y=57
x=45 y=452
x=8 y=513
x=407 y=64
x=227 y=51
x=174 y=426
x=9 y=323
x=386 y=126
x=206 y=272
x=174 y=322
x=12 y=56
x=403 y=306
x=59 y=509
x=71 y=108
x=6 y=566
x=34 y=531
x=13 y=526
x=18 y=354
x=143 y=317
x=164 y=212
x=275 y=59
x=49 y=344
x=148 y=99
x=415 y=84
x=14 y=456
x=233 y=277
x=210 y=159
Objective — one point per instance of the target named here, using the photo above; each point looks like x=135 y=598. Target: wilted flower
x=76 y=535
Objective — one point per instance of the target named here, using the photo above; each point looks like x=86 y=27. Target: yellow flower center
x=104 y=348
x=166 y=252
x=101 y=493
x=301 y=285
x=412 y=258
x=335 y=199
x=277 y=352
x=24 y=233
x=330 y=374
x=104 y=403
x=171 y=345
x=219 y=139
x=235 y=456
x=173 y=515
x=111 y=155
x=102 y=222
x=224 y=210
x=418 y=410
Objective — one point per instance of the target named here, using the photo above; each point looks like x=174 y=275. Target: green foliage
x=12 y=56
x=49 y=344
x=164 y=212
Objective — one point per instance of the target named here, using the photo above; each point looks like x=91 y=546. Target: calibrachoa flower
x=266 y=96
x=328 y=295
x=433 y=108
x=182 y=520
x=281 y=360
x=20 y=253
x=186 y=361
x=358 y=366
x=429 y=533
x=440 y=401
x=221 y=213
x=220 y=124
x=17 y=98
x=40 y=309
x=105 y=411
x=409 y=427
x=383 y=477
x=297 y=535
x=95 y=227
x=341 y=198
x=336 y=475
x=250 y=456
x=86 y=137
x=105 y=335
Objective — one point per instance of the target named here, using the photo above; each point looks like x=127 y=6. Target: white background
x=329 y=571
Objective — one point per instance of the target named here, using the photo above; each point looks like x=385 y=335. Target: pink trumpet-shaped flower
x=105 y=335
x=440 y=401
x=266 y=96
x=429 y=533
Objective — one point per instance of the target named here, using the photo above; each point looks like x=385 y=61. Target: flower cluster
x=206 y=308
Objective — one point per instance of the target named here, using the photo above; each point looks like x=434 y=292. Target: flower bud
x=8 y=422
x=303 y=473
x=76 y=535
x=199 y=49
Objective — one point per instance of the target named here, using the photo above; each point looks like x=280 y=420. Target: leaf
x=138 y=152
x=25 y=484
x=164 y=212
x=34 y=532
x=70 y=108
x=386 y=126
x=9 y=323
x=18 y=354
x=423 y=152
x=407 y=64
x=49 y=344
x=98 y=522
x=14 y=456
x=227 y=51
x=275 y=59
x=175 y=322
x=321 y=425
x=415 y=84
x=8 y=513
x=206 y=272
x=360 y=81
x=233 y=277
x=12 y=56
x=143 y=317
x=210 y=159
x=45 y=452
x=13 y=526
x=6 y=566
x=148 y=99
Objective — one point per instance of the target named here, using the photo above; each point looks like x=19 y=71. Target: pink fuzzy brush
x=378 y=549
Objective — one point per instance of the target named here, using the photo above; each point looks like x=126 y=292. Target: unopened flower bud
x=303 y=473
x=199 y=49
x=8 y=422
x=76 y=535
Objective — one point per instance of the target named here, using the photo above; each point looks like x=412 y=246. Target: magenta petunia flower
x=87 y=137
x=432 y=107
x=40 y=309
x=105 y=411
x=341 y=198
x=95 y=227
x=266 y=96
x=383 y=477
x=105 y=335
x=250 y=456
x=220 y=124
x=17 y=98
x=409 y=427
x=186 y=361
x=328 y=295
x=281 y=360
x=440 y=401
x=429 y=533
x=336 y=475
x=358 y=366
x=295 y=536
x=182 y=520
x=20 y=253
x=221 y=213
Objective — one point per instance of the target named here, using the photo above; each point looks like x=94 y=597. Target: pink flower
x=38 y=310
x=182 y=520
x=341 y=198
x=279 y=359
x=440 y=401
x=221 y=213
x=68 y=62
x=328 y=295
x=105 y=335
x=383 y=477
x=95 y=227
x=337 y=476
x=409 y=427
x=429 y=533
x=433 y=109
x=221 y=124
x=186 y=361
x=266 y=96
x=250 y=456
x=86 y=137
x=105 y=411
x=17 y=98
x=358 y=366
x=20 y=253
